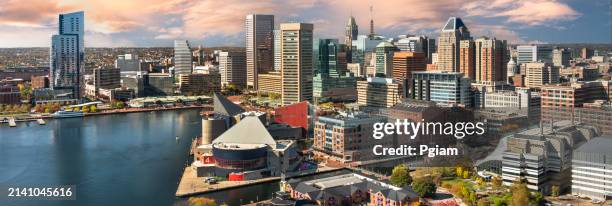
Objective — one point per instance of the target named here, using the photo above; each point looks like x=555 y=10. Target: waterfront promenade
x=38 y=117
x=190 y=184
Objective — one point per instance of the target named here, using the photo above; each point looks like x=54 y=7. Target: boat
x=67 y=114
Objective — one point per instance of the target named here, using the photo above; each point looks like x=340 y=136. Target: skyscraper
x=296 y=63
x=351 y=32
x=490 y=60
x=467 y=59
x=182 y=58
x=259 y=46
x=533 y=53
x=561 y=57
x=277 y=50
x=67 y=54
x=232 y=66
x=449 y=88
x=332 y=82
x=448 y=44
x=384 y=58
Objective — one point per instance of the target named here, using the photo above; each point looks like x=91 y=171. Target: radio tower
x=371 y=21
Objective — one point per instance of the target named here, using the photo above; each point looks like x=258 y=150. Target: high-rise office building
x=183 y=63
x=351 y=32
x=533 y=53
x=490 y=60
x=127 y=63
x=384 y=58
x=106 y=78
x=296 y=63
x=586 y=53
x=378 y=92
x=277 y=50
x=448 y=44
x=67 y=56
x=259 y=46
x=561 y=57
x=448 y=88
x=467 y=59
x=405 y=63
x=539 y=73
x=333 y=82
x=232 y=66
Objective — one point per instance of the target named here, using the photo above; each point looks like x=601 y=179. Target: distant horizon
x=156 y=23
x=192 y=47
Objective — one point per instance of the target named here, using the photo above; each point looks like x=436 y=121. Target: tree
x=274 y=96
x=85 y=109
x=472 y=197
x=459 y=171
x=483 y=202
x=466 y=174
x=520 y=194
x=496 y=181
x=93 y=108
x=201 y=201
x=425 y=187
x=400 y=176
x=537 y=198
x=555 y=190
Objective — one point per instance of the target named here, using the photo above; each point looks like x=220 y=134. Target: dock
x=12 y=122
x=190 y=184
x=41 y=121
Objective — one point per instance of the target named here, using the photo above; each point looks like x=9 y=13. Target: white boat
x=67 y=114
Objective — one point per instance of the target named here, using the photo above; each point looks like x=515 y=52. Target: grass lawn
x=468 y=182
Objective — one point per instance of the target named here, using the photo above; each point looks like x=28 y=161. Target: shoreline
x=191 y=185
x=35 y=117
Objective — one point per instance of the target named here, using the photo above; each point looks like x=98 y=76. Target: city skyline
x=211 y=23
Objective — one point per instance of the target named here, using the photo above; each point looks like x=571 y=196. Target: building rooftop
x=249 y=130
x=597 y=145
x=453 y=23
x=224 y=106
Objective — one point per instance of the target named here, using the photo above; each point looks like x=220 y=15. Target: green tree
x=555 y=191
x=425 y=187
x=93 y=108
x=466 y=174
x=537 y=198
x=400 y=176
x=520 y=194
x=472 y=197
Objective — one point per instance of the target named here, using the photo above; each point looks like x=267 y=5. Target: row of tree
x=14 y=108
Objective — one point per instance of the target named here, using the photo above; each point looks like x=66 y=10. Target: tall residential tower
x=67 y=56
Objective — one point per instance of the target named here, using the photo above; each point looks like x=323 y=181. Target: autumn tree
x=520 y=194
x=201 y=201
x=400 y=176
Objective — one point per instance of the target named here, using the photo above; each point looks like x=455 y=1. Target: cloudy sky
x=143 y=23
